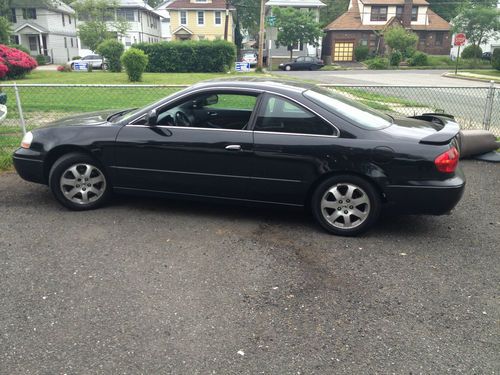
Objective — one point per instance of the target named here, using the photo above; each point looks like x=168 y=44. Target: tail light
x=447 y=162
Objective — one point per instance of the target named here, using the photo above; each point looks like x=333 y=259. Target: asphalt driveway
x=149 y=286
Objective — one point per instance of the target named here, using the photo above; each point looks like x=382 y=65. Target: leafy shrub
x=395 y=58
x=111 y=50
x=495 y=58
x=471 y=52
x=16 y=63
x=135 y=62
x=64 y=68
x=419 y=59
x=361 y=52
x=400 y=39
x=189 y=56
x=20 y=48
x=76 y=58
x=378 y=63
x=41 y=59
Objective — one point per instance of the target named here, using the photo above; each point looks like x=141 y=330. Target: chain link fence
x=473 y=107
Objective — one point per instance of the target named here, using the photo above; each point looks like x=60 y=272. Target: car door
x=299 y=63
x=195 y=160
x=292 y=148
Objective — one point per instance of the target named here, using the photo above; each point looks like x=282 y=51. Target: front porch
x=32 y=37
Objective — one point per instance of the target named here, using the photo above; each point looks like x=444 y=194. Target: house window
x=399 y=12
x=298 y=46
x=414 y=13
x=127 y=14
x=218 y=17
x=14 y=39
x=72 y=43
x=201 y=37
x=29 y=13
x=33 y=42
x=65 y=42
x=201 y=18
x=13 y=16
x=379 y=13
x=183 y=15
x=64 y=23
x=439 y=39
x=69 y=19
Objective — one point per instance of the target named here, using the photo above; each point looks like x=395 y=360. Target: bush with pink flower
x=15 y=63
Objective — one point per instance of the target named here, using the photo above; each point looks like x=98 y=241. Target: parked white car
x=249 y=57
x=95 y=60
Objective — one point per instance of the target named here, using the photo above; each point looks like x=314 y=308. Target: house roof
x=31 y=25
x=351 y=20
x=186 y=4
x=295 y=3
x=392 y=2
x=59 y=5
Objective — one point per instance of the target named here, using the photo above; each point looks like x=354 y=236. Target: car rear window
x=358 y=113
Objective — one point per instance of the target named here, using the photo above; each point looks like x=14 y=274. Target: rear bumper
x=431 y=198
x=29 y=165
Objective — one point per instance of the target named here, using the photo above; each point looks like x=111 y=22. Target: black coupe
x=254 y=141
x=302 y=63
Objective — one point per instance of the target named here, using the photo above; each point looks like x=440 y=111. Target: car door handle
x=233 y=147
x=212 y=114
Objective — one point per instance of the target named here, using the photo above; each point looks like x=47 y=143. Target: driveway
x=384 y=77
x=157 y=286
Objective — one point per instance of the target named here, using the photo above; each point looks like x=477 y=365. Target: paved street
x=412 y=77
x=156 y=286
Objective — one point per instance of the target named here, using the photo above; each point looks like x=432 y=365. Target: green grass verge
x=108 y=78
x=377 y=99
x=10 y=139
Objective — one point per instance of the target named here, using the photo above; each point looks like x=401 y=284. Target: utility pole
x=226 y=25
x=261 y=35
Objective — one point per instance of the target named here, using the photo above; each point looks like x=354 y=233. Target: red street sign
x=460 y=39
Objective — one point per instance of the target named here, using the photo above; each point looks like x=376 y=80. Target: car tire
x=288 y=68
x=346 y=205
x=79 y=182
x=72 y=66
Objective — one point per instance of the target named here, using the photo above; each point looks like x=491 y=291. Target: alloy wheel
x=345 y=206
x=82 y=183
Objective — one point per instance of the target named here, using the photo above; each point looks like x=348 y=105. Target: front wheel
x=78 y=182
x=288 y=68
x=346 y=205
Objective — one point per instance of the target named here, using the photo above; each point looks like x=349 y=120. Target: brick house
x=365 y=21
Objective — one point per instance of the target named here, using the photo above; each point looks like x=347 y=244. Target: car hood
x=85 y=119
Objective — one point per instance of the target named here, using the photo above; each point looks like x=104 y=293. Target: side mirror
x=212 y=99
x=152 y=118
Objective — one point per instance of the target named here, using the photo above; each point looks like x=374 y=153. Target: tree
x=479 y=22
x=112 y=51
x=400 y=39
x=449 y=9
x=99 y=21
x=333 y=10
x=5 y=31
x=247 y=14
x=295 y=27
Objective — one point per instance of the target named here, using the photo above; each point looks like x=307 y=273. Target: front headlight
x=27 y=139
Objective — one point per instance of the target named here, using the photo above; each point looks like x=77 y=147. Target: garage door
x=343 y=51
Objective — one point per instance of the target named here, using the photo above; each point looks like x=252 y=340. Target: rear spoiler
x=449 y=129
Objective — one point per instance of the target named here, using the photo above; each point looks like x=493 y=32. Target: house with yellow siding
x=200 y=19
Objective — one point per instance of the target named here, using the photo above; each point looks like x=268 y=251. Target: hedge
x=135 y=61
x=189 y=56
x=495 y=59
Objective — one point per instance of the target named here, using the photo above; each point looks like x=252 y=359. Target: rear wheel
x=346 y=205
x=78 y=182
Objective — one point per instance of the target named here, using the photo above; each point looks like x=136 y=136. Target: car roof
x=264 y=84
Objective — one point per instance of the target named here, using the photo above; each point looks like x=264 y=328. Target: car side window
x=283 y=116
x=216 y=110
x=309 y=59
x=300 y=59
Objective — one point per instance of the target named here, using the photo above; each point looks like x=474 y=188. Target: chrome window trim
x=237 y=89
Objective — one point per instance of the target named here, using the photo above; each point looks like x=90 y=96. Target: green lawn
x=107 y=78
x=378 y=101
x=10 y=139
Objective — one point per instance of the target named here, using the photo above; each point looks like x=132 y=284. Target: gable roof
x=392 y=2
x=186 y=4
x=295 y=3
x=32 y=26
x=351 y=20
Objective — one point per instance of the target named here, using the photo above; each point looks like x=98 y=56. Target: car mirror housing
x=152 y=118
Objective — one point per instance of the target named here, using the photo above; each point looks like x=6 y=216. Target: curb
x=453 y=76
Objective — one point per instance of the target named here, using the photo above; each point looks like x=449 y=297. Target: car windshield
x=249 y=55
x=361 y=114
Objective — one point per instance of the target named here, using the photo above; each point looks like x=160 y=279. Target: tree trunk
x=291 y=53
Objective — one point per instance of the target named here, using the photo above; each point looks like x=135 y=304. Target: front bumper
x=431 y=198
x=29 y=165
